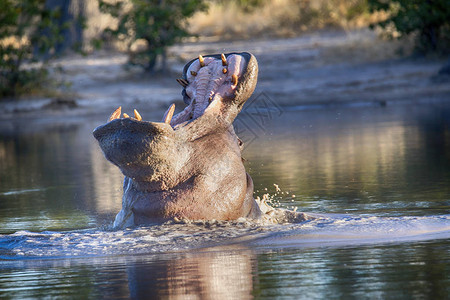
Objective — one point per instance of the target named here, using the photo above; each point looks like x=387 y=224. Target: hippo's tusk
x=234 y=79
x=224 y=59
x=201 y=60
x=169 y=114
x=184 y=83
x=224 y=70
x=137 y=115
x=193 y=73
x=115 y=114
x=125 y=115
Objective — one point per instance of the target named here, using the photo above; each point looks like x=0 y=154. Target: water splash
x=317 y=230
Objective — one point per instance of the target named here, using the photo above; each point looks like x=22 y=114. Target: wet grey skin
x=189 y=165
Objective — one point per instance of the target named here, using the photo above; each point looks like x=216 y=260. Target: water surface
x=377 y=179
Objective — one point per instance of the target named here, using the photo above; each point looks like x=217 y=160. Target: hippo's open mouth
x=207 y=82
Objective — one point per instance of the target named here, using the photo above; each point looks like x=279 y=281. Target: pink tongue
x=209 y=82
x=236 y=63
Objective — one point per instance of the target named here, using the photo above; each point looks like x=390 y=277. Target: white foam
x=325 y=230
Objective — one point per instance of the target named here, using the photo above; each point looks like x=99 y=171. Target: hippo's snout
x=144 y=151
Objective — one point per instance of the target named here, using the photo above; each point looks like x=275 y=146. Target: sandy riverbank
x=324 y=68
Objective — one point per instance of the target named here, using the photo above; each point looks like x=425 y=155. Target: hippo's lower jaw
x=189 y=165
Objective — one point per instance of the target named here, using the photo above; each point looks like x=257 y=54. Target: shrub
x=28 y=32
x=429 y=19
x=157 y=24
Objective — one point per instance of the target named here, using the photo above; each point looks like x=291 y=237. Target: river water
x=375 y=179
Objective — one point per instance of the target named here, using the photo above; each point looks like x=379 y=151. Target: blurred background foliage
x=428 y=20
x=29 y=32
x=36 y=30
x=156 y=24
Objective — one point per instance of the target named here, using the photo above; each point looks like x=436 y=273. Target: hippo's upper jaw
x=189 y=165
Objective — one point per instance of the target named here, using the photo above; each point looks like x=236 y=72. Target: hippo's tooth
x=193 y=73
x=224 y=59
x=137 y=115
x=169 y=114
x=224 y=70
x=116 y=114
x=201 y=60
x=184 y=83
x=234 y=79
x=125 y=115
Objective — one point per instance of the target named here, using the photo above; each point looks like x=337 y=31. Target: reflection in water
x=398 y=271
x=402 y=271
x=381 y=160
x=208 y=275
x=222 y=273
x=104 y=174
x=51 y=176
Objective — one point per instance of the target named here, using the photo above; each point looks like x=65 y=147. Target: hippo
x=189 y=165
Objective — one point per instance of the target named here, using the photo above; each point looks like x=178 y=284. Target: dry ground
x=323 y=68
